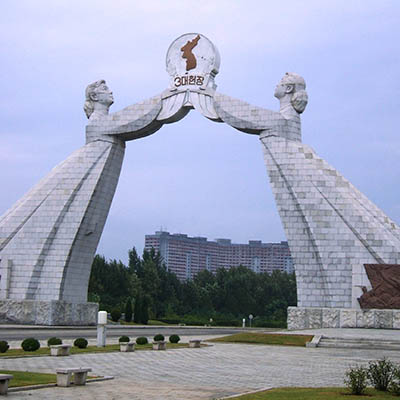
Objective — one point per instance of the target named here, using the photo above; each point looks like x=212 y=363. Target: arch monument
x=49 y=237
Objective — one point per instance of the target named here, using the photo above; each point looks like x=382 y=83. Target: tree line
x=152 y=292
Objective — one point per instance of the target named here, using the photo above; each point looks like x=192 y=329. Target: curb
x=314 y=342
x=243 y=394
x=50 y=385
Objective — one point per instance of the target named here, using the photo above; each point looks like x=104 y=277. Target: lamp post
x=101 y=328
x=250 y=318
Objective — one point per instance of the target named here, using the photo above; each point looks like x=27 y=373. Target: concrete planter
x=160 y=345
x=127 y=346
x=194 y=343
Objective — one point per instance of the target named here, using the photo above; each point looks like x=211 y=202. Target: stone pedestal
x=320 y=317
x=127 y=346
x=101 y=335
x=33 y=312
x=60 y=350
x=160 y=345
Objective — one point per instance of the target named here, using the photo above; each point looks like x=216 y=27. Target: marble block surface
x=34 y=312
x=316 y=317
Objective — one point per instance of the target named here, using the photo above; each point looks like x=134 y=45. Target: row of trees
x=226 y=297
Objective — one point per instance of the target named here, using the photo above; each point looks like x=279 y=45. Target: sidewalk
x=206 y=373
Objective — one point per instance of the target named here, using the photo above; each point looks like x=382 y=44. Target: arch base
x=55 y=312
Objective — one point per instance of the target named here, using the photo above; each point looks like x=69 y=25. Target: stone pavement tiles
x=206 y=373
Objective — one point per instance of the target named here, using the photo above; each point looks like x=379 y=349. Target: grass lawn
x=149 y=322
x=314 y=394
x=22 y=378
x=90 y=349
x=265 y=338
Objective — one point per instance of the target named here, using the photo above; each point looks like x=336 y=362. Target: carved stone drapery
x=385 y=281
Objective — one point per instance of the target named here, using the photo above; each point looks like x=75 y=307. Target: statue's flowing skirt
x=49 y=237
x=331 y=227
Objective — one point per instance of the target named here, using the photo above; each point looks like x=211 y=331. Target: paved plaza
x=205 y=373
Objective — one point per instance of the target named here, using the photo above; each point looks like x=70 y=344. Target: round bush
x=174 y=338
x=3 y=346
x=81 y=343
x=30 y=344
x=53 y=341
x=158 y=338
x=115 y=314
x=142 y=340
x=124 y=339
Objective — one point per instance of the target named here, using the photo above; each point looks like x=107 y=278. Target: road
x=16 y=332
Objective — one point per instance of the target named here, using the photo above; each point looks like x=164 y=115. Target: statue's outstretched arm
x=246 y=117
x=137 y=120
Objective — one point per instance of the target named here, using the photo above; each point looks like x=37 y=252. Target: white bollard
x=101 y=328
x=244 y=323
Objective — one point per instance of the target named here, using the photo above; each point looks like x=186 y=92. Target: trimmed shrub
x=174 y=339
x=356 y=379
x=115 y=314
x=53 y=341
x=264 y=322
x=142 y=340
x=158 y=338
x=4 y=346
x=123 y=339
x=380 y=373
x=81 y=343
x=168 y=320
x=30 y=344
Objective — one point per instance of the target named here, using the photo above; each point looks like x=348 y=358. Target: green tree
x=151 y=281
x=239 y=286
x=134 y=263
x=98 y=271
x=128 y=310
x=137 y=313
x=225 y=296
x=204 y=278
x=145 y=310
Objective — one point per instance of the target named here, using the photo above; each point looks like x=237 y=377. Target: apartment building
x=186 y=256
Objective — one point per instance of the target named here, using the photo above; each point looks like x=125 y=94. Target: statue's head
x=293 y=86
x=97 y=92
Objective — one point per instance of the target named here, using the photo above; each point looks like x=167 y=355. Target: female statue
x=331 y=227
x=49 y=237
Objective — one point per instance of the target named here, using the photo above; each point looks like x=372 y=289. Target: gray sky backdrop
x=196 y=176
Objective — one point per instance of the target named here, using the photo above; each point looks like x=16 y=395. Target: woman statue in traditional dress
x=49 y=237
x=331 y=227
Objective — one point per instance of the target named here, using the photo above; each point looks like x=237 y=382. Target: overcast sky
x=196 y=176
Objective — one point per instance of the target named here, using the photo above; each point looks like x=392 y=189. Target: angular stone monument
x=331 y=227
x=48 y=239
x=333 y=230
